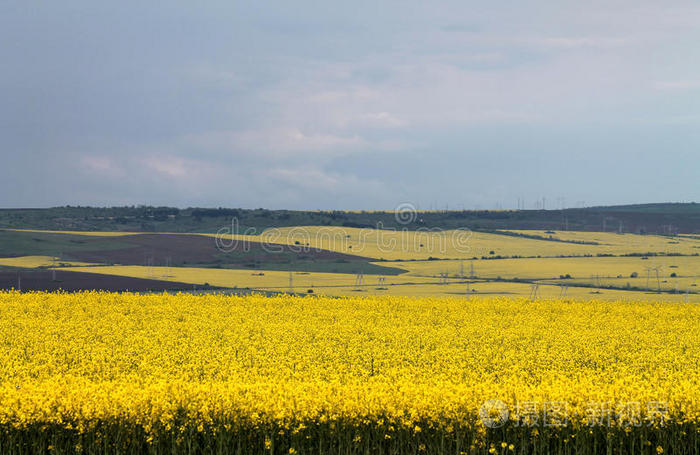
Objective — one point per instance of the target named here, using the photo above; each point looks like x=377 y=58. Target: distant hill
x=667 y=218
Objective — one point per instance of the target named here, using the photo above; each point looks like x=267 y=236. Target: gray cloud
x=362 y=105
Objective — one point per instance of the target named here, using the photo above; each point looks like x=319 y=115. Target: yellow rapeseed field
x=38 y=261
x=464 y=244
x=128 y=373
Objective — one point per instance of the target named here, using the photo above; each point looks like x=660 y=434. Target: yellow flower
x=172 y=364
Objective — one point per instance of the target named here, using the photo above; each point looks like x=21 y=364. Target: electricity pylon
x=359 y=281
x=533 y=292
x=564 y=290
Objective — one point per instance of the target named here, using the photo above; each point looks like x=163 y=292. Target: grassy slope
x=14 y=243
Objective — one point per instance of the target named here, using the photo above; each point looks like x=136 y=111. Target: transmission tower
x=564 y=290
x=149 y=268
x=656 y=269
x=168 y=264
x=648 y=269
x=533 y=292
x=359 y=281
x=658 y=280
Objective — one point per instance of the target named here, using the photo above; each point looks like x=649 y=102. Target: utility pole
x=291 y=283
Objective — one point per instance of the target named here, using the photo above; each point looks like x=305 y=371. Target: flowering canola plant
x=98 y=372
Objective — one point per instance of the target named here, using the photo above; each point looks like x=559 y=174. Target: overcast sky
x=349 y=105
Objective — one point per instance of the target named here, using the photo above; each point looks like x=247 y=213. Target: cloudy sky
x=349 y=105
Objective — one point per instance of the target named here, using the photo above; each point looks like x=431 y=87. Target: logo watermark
x=495 y=413
x=405 y=213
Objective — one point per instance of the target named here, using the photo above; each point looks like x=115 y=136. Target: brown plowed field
x=42 y=280
x=179 y=249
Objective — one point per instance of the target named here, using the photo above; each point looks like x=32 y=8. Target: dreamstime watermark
x=495 y=413
x=405 y=213
x=407 y=234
